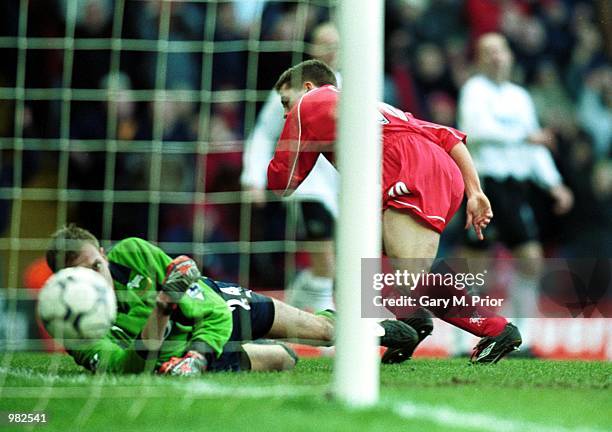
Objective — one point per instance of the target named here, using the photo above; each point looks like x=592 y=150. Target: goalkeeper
x=172 y=320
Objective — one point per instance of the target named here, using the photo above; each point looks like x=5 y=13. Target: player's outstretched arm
x=478 y=209
x=462 y=158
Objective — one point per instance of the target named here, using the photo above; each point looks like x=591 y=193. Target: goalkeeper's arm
x=118 y=353
x=152 y=334
x=140 y=355
x=181 y=273
x=212 y=318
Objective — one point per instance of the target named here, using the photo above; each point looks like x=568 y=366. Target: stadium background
x=128 y=118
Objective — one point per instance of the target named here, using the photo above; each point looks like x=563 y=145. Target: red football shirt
x=418 y=173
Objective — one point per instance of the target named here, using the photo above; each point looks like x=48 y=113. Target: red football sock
x=485 y=326
x=473 y=318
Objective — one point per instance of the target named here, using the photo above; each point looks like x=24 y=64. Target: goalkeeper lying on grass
x=172 y=320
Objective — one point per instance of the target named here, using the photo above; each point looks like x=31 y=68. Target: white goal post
x=356 y=369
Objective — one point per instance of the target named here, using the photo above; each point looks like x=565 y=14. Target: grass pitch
x=420 y=395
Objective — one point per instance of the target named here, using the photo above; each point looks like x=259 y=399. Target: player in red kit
x=427 y=169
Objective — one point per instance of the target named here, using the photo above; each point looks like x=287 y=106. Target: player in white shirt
x=511 y=153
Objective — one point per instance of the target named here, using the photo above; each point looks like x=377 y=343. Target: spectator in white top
x=511 y=153
x=318 y=195
x=595 y=109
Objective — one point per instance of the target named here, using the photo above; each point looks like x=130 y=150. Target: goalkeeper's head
x=72 y=246
x=302 y=78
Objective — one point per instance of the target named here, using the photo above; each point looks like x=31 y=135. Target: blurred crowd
x=562 y=54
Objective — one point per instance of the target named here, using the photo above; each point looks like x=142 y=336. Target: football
x=77 y=305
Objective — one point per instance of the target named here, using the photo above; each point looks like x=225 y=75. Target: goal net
x=129 y=118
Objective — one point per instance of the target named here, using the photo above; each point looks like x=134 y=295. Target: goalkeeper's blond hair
x=66 y=244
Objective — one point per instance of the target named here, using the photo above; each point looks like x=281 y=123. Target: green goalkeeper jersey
x=202 y=320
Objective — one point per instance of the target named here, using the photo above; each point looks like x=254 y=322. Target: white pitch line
x=197 y=387
x=212 y=389
x=453 y=418
x=44 y=377
x=442 y=415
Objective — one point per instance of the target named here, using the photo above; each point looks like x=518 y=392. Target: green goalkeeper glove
x=180 y=275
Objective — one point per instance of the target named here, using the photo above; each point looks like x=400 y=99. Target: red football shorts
x=421 y=178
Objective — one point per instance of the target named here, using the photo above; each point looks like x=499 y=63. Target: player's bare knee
x=327 y=328
x=270 y=356
x=329 y=331
x=287 y=362
x=530 y=259
x=283 y=359
x=530 y=268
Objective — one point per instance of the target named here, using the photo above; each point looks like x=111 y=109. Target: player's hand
x=478 y=213
x=544 y=137
x=563 y=198
x=180 y=275
x=192 y=363
x=257 y=195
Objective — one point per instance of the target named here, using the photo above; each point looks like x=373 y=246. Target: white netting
x=128 y=118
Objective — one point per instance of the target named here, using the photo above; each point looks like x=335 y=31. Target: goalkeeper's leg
x=266 y=355
x=291 y=323
x=294 y=324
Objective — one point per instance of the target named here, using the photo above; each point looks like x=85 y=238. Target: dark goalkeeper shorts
x=252 y=318
x=513 y=222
